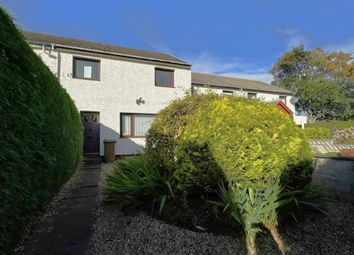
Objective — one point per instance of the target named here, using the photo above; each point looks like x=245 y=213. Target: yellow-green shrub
x=205 y=137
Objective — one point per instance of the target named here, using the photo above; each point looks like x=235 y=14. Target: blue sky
x=241 y=38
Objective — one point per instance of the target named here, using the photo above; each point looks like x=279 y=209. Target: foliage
x=317 y=132
x=198 y=171
x=40 y=130
x=305 y=65
x=248 y=144
x=323 y=99
x=323 y=80
x=136 y=182
x=252 y=208
x=251 y=141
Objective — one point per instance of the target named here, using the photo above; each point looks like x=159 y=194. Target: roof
x=283 y=107
x=237 y=83
x=102 y=48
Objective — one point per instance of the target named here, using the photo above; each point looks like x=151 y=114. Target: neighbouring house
x=119 y=90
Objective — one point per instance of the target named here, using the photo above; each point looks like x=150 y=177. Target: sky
x=241 y=38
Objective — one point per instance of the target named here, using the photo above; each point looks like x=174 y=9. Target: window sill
x=133 y=137
x=167 y=86
x=87 y=79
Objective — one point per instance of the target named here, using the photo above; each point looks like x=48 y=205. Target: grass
x=332 y=124
x=331 y=154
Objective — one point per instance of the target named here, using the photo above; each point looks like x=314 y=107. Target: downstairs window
x=135 y=124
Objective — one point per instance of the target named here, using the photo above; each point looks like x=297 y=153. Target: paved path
x=328 y=145
x=68 y=228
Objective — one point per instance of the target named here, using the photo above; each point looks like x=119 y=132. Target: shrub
x=248 y=141
x=135 y=182
x=255 y=147
x=40 y=130
x=198 y=171
x=317 y=132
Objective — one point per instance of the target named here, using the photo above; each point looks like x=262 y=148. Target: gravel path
x=118 y=233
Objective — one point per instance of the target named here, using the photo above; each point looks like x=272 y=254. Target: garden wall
x=335 y=175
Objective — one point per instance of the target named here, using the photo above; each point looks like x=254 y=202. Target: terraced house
x=119 y=90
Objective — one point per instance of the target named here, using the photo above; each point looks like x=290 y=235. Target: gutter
x=109 y=53
x=244 y=89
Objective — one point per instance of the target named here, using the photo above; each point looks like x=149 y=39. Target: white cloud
x=262 y=76
x=207 y=63
x=210 y=64
x=293 y=36
x=347 y=46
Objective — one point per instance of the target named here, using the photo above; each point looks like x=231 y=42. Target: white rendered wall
x=121 y=83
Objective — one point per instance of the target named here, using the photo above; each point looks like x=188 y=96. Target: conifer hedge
x=40 y=134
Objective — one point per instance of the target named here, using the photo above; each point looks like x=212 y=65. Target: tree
x=301 y=65
x=323 y=99
x=324 y=81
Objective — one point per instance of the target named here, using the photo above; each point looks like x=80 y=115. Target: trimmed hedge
x=203 y=138
x=317 y=132
x=40 y=130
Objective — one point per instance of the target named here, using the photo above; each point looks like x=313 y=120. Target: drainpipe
x=58 y=60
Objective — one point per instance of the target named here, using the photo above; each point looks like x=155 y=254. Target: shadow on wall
x=124 y=146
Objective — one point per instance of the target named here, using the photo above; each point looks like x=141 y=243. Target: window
x=283 y=99
x=86 y=69
x=227 y=92
x=135 y=125
x=251 y=95
x=164 y=77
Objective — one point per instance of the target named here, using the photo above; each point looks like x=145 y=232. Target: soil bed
x=116 y=232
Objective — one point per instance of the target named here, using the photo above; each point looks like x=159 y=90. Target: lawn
x=332 y=124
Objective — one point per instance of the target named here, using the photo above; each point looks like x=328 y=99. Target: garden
x=226 y=169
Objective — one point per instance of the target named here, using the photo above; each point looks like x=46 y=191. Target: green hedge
x=203 y=138
x=40 y=134
x=317 y=132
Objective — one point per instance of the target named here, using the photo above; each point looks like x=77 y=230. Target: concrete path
x=67 y=229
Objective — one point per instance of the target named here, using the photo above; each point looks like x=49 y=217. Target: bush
x=317 y=132
x=40 y=130
x=204 y=137
x=135 y=182
x=254 y=147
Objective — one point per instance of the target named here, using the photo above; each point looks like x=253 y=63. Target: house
x=119 y=90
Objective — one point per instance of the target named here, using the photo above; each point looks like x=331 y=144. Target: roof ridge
x=46 y=36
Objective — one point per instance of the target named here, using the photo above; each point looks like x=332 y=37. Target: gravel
x=119 y=233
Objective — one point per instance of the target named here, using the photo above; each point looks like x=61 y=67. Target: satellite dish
x=294 y=100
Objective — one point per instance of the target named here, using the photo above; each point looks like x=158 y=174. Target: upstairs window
x=283 y=99
x=251 y=95
x=86 y=69
x=164 y=77
x=135 y=125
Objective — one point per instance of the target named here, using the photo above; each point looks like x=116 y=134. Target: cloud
x=261 y=76
x=347 y=46
x=293 y=36
x=211 y=64
x=207 y=63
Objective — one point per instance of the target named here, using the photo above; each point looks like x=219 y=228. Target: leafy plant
x=40 y=130
x=252 y=208
x=135 y=182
